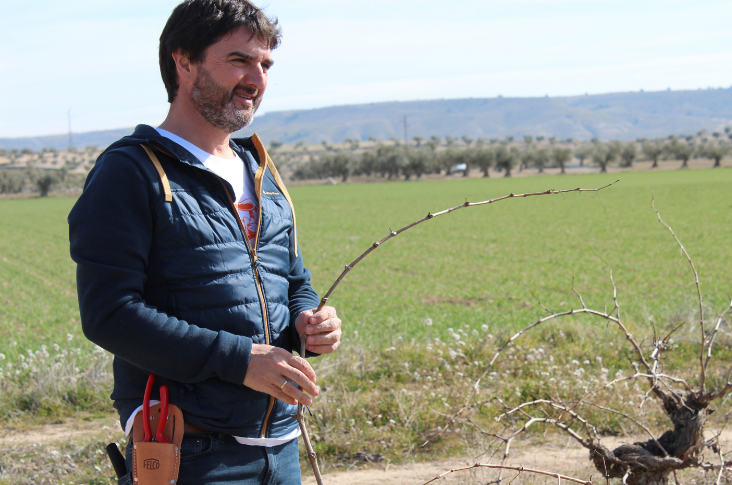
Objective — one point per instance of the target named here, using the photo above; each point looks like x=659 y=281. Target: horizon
x=331 y=57
x=257 y=115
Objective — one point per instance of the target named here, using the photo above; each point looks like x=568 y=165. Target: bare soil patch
x=556 y=456
x=57 y=433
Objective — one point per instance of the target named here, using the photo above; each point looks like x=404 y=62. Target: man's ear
x=184 y=68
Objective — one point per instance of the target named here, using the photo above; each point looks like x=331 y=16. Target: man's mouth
x=249 y=96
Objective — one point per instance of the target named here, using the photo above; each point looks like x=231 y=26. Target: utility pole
x=71 y=141
x=405 y=130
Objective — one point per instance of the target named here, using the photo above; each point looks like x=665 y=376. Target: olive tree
x=652 y=150
x=485 y=158
x=506 y=159
x=582 y=152
x=603 y=154
x=11 y=182
x=716 y=152
x=628 y=154
x=681 y=150
x=561 y=156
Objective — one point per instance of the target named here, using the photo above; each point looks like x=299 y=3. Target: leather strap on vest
x=161 y=173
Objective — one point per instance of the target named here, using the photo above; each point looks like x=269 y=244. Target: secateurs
x=163 y=419
x=155 y=459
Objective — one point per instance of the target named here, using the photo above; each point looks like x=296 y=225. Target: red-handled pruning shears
x=164 y=400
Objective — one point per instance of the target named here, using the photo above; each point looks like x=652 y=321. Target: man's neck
x=187 y=123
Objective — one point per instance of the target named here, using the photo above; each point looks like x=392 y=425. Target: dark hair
x=196 y=24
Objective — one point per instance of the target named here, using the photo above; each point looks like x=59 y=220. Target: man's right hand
x=270 y=367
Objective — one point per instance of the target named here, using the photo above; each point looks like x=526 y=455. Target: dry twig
x=312 y=456
x=519 y=469
x=703 y=363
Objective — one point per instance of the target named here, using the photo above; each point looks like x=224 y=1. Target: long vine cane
x=303 y=338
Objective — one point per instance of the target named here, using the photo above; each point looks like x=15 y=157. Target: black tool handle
x=118 y=461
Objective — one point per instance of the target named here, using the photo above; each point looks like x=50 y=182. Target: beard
x=216 y=103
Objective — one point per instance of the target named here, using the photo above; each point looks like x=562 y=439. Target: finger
x=299 y=379
x=290 y=394
x=324 y=314
x=323 y=349
x=324 y=338
x=305 y=375
x=329 y=325
x=297 y=394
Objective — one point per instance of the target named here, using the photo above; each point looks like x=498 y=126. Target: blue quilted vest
x=201 y=281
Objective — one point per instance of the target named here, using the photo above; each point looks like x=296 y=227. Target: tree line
x=398 y=159
x=16 y=181
x=411 y=160
x=37 y=176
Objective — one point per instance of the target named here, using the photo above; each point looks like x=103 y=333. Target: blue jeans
x=214 y=459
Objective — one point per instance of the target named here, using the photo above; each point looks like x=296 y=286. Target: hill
x=622 y=116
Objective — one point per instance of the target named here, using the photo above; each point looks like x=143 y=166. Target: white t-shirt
x=232 y=170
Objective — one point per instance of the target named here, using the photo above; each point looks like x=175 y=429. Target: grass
x=494 y=264
x=474 y=277
x=38 y=302
x=483 y=265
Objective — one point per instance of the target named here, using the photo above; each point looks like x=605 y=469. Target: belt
x=191 y=429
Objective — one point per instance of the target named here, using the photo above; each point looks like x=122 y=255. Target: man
x=187 y=258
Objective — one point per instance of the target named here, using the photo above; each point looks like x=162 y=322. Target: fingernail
x=309 y=328
x=311 y=340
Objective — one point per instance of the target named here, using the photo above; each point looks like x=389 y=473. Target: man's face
x=231 y=80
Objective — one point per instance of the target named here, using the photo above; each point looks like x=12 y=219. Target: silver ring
x=284 y=384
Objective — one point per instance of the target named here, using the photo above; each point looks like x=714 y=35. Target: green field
x=496 y=264
x=37 y=277
x=492 y=265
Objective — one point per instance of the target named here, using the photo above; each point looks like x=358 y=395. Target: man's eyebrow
x=268 y=61
x=245 y=55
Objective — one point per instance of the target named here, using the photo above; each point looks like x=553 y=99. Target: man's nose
x=257 y=78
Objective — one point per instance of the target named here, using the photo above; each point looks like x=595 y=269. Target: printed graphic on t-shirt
x=249 y=216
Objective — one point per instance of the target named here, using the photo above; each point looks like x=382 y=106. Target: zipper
x=258 y=280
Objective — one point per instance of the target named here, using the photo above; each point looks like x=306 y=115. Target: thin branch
x=589 y=428
x=303 y=430
x=709 y=466
x=615 y=295
x=703 y=374
x=721 y=393
x=714 y=334
x=515 y=468
x=578 y=295
x=721 y=467
x=431 y=215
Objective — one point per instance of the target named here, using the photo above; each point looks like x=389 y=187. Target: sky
x=97 y=60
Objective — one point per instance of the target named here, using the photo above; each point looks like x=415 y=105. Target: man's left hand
x=323 y=329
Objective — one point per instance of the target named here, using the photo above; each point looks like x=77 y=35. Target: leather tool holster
x=156 y=463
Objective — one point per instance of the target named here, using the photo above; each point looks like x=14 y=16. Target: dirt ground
x=564 y=457
x=56 y=433
x=557 y=456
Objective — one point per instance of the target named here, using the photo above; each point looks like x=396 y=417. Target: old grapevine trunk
x=651 y=462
